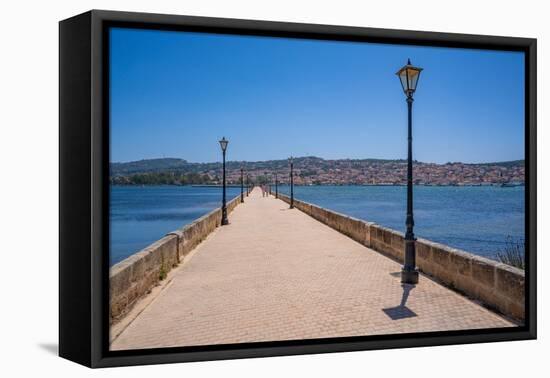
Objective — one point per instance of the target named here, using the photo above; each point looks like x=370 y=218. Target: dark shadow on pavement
x=401 y=311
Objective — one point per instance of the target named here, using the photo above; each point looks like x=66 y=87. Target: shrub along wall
x=136 y=275
x=498 y=286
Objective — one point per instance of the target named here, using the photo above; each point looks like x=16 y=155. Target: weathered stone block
x=489 y=295
x=324 y=215
x=510 y=282
x=398 y=242
x=462 y=263
x=188 y=231
x=483 y=271
x=387 y=236
x=345 y=225
x=341 y=222
x=185 y=247
x=120 y=278
x=357 y=230
x=314 y=212
x=384 y=248
x=368 y=233
x=373 y=230
x=117 y=306
x=138 y=269
x=423 y=251
x=333 y=220
x=319 y=214
x=516 y=310
x=380 y=234
x=440 y=256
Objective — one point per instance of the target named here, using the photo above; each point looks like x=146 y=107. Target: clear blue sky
x=175 y=94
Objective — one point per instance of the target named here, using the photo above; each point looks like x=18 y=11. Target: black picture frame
x=84 y=205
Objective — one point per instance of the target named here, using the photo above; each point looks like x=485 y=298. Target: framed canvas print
x=234 y=188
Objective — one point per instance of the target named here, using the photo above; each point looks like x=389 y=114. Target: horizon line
x=316 y=157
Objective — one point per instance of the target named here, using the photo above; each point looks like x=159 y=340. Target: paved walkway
x=278 y=274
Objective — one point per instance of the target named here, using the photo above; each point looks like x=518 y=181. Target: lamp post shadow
x=401 y=311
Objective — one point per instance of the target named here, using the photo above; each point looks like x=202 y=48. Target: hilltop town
x=318 y=171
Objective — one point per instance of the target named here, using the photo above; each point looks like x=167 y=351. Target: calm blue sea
x=475 y=219
x=141 y=215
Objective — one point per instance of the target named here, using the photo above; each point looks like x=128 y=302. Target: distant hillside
x=183 y=166
x=311 y=170
x=511 y=163
x=148 y=165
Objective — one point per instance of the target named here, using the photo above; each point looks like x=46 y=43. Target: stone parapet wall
x=498 y=286
x=135 y=276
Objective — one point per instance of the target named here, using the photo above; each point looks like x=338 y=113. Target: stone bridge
x=276 y=273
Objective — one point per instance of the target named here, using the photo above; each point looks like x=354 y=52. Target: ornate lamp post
x=242 y=185
x=276 y=186
x=291 y=161
x=408 y=75
x=223 y=145
x=247 y=184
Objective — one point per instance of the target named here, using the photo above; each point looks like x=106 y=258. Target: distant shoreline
x=316 y=171
x=505 y=185
x=374 y=160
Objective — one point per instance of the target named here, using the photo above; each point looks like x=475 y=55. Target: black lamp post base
x=409 y=276
x=225 y=221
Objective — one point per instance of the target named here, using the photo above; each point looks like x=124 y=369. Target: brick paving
x=278 y=274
